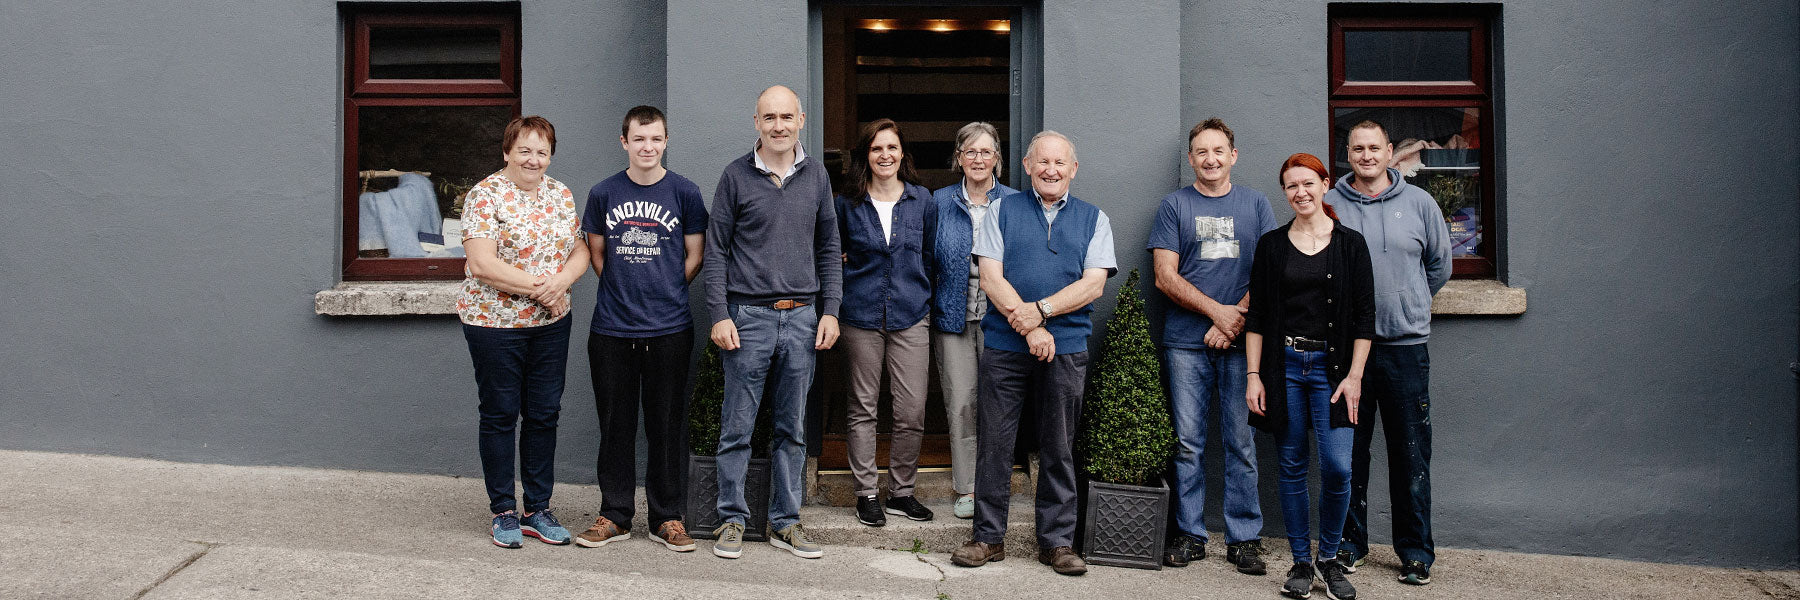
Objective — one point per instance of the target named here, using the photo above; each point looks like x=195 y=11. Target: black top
x=1350 y=314
x=1303 y=281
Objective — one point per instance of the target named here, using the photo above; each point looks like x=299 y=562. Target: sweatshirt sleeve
x=1437 y=245
x=721 y=224
x=827 y=253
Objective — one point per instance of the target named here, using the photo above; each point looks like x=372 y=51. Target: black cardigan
x=1351 y=292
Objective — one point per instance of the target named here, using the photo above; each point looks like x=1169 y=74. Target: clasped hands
x=552 y=292
x=1028 y=320
x=1228 y=324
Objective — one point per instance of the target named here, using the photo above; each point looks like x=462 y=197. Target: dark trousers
x=519 y=376
x=650 y=372
x=1397 y=387
x=1007 y=382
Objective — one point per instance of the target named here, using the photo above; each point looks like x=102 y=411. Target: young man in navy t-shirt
x=646 y=229
x=1201 y=247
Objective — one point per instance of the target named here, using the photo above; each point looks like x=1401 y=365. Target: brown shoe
x=602 y=533
x=1063 y=560
x=674 y=536
x=975 y=554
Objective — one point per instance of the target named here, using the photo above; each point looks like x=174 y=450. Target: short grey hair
x=1032 y=148
x=969 y=133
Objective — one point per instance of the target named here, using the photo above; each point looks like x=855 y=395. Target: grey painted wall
x=1642 y=407
x=174 y=204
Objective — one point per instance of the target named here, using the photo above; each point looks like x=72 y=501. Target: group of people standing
x=1276 y=327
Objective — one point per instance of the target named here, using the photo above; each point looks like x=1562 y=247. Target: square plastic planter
x=1124 y=525
x=703 y=498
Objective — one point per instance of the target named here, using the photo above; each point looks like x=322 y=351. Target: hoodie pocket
x=1402 y=314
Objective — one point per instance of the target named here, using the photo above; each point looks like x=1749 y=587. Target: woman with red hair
x=1307 y=335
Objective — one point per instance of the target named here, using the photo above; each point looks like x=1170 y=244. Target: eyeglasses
x=982 y=154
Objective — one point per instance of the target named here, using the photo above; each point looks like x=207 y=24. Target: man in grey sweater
x=1409 y=248
x=774 y=281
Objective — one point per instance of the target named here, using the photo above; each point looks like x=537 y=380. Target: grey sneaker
x=793 y=539
x=730 y=542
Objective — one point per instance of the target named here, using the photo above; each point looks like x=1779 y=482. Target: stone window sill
x=1478 y=297
x=374 y=298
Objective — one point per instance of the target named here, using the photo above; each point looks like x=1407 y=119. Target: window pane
x=416 y=163
x=1437 y=149
x=434 y=53
x=1406 y=55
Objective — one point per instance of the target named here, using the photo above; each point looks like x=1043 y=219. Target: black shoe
x=907 y=506
x=1299 y=581
x=1183 y=549
x=1247 y=557
x=1337 y=587
x=1415 y=573
x=868 y=510
x=1350 y=560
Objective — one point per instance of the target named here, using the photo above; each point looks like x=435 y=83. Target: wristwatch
x=1044 y=308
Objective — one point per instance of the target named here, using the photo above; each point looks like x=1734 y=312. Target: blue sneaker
x=543 y=526
x=506 y=530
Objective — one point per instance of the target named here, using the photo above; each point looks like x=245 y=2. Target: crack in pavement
x=207 y=547
x=937 y=586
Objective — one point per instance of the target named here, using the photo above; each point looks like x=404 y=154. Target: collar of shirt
x=1054 y=207
x=962 y=196
x=799 y=155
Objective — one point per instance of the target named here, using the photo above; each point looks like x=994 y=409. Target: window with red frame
x=1424 y=73
x=428 y=94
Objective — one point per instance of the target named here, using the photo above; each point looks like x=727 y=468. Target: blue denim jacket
x=955 y=244
x=888 y=285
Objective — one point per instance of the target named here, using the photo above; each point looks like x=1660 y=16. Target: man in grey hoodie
x=1409 y=246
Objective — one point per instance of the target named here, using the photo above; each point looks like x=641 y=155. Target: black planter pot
x=703 y=498
x=1124 y=525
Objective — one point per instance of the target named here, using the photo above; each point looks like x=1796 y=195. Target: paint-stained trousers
x=1008 y=381
x=1397 y=387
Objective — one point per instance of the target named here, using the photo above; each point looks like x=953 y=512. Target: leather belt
x=787 y=304
x=1305 y=345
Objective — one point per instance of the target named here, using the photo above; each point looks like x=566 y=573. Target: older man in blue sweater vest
x=1045 y=257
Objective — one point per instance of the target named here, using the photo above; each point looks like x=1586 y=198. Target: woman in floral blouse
x=525 y=250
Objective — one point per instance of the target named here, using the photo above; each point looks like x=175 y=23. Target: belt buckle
x=786 y=304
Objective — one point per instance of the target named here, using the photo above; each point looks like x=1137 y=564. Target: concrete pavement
x=103 y=527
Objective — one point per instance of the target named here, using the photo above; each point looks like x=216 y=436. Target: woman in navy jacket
x=957 y=302
x=887 y=223
x=1307 y=336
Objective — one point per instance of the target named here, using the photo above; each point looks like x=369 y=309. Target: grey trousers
x=906 y=357
x=1009 y=380
x=957 y=355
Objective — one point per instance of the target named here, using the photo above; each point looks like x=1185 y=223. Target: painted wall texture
x=175 y=203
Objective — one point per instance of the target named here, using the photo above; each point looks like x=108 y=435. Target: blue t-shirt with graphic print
x=643 y=289
x=1216 y=239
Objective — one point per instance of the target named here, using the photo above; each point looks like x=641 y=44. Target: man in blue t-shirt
x=1201 y=246
x=646 y=228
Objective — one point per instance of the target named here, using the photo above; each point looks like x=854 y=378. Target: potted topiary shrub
x=1127 y=438
x=703 y=449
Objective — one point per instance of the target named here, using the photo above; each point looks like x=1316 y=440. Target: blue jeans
x=1195 y=376
x=1309 y=404
x=1397 y=386
x=776 y=343
x=519 y=376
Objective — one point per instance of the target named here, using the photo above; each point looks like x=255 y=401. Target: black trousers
x=653 y=373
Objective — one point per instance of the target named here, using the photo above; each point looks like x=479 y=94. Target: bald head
x=778 y=120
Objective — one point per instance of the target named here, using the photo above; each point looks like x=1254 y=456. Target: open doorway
x=932 y=69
